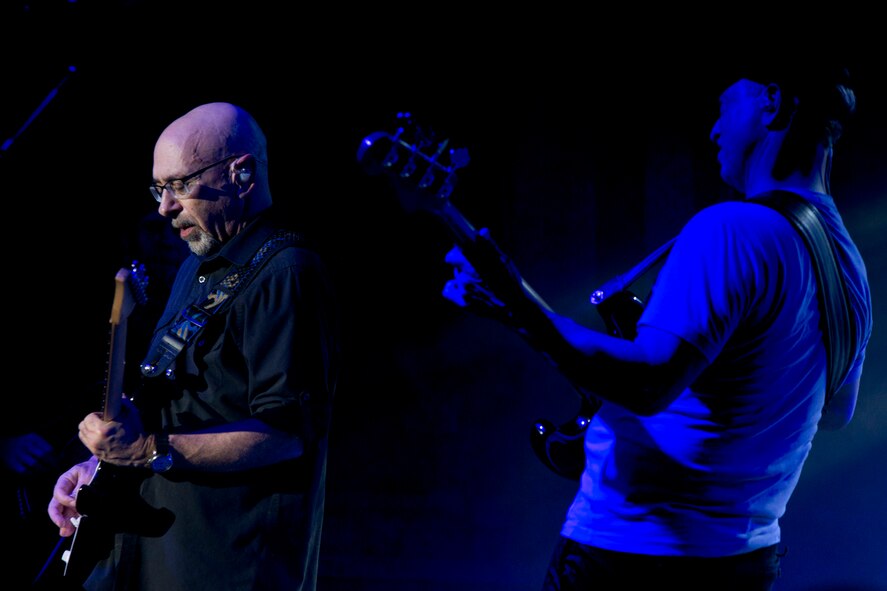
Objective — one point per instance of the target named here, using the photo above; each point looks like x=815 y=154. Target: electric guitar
x=424 y=170
x=111 y=503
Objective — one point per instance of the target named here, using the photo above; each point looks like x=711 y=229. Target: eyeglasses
x=181 y=188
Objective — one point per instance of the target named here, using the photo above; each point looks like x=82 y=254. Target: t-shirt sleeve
x=711 y=278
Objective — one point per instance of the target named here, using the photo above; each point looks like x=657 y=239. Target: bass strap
x=838 y=330
x=194 y=317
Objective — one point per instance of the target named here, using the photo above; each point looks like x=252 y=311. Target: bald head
x=220 y=151
x=212 y=131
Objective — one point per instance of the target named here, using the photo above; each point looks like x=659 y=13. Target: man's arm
x=240 y=445
x=643 y=375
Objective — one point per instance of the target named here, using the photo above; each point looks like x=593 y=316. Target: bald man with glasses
x=227 y=436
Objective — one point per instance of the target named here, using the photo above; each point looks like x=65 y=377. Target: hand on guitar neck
x=500 y=293
x=486 y=282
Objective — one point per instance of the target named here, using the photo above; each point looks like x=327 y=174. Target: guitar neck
x=114 y=379
x=129 y=289
x=425 y=182
x=467 y=237
x=462 y=230
x=528 y=313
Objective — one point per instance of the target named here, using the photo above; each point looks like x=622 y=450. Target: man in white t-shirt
x=707 y=416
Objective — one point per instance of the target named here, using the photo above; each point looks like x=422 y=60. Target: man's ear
x=244 y=172
x=779 y=108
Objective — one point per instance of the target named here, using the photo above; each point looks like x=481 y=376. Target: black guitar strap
x=838 y=329
x=193 y=318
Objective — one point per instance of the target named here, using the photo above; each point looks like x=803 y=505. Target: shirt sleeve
x=715 y=275
x=289 y=345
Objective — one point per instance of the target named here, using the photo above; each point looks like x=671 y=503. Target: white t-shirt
x=712 y=473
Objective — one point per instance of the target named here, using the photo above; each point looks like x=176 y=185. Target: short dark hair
x=821 y=86
x=825 y=101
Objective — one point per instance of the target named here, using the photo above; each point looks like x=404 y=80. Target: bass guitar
x=111 y=503
x=424 y=170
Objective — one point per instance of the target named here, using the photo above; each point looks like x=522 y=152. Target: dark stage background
x=585 y=156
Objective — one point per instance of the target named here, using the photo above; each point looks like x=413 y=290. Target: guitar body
x=562 y=448
x=108 y=505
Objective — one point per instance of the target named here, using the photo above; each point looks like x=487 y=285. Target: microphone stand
x=49 y=97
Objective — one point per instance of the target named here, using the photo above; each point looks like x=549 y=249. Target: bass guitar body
x=562 y=447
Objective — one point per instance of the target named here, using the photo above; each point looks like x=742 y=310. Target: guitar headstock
x=421 y=165
x=131 y=288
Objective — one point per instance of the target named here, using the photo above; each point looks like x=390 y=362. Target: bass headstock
x=422 y=166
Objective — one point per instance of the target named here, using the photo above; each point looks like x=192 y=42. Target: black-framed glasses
x=181 y=188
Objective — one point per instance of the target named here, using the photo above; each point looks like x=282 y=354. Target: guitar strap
x=194 y=317
x=838 y=329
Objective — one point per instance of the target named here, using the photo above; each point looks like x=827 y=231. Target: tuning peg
x=446 y=188
x=390 y=158
x=409 y=168
x=427 y=179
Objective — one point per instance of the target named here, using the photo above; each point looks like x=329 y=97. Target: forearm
x=643 y=375
x=232 y=447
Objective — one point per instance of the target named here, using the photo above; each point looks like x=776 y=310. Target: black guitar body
x=562 y=448
x=110 y=504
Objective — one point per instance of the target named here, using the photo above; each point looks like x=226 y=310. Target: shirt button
x=201 y=279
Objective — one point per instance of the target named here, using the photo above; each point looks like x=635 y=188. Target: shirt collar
x=242 y=246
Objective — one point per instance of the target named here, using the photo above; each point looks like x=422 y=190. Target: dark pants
x=577 y=567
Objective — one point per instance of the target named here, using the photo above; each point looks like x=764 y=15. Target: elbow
x=292 y=447
x=651 y=400
x=642 y=389
x=639 y=393
x=644 y=376
x=652 y=387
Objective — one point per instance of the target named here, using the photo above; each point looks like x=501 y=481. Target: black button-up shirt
x=271 y=355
